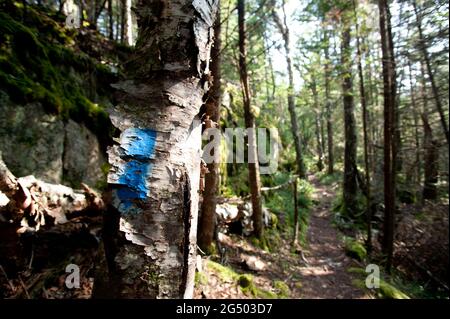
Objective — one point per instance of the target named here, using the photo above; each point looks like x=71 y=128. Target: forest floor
x=323 y=273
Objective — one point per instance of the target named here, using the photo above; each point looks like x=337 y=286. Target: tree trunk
x=434 y=87
x=208 y=217
x=270 y=87
x=317 y=126
x=431 y=158
x=417 y=171
x=284 y=30
x=111 y=20
x=328 y=111
x=296 y=217
x=128 y=32
x=350 y=181
x=363 y=100
x=155 y=168
x=430 y=148
x=389 y=92
x=123 y=16
x=253 y=164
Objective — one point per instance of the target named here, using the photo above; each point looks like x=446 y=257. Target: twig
x=24 y=287
x=201 y=250
x=7 y=279
x=32 y=256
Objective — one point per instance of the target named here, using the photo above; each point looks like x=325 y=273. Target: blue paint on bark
x=138 y=147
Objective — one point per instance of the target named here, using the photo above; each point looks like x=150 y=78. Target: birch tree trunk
x=155 y=167
x=128 y=27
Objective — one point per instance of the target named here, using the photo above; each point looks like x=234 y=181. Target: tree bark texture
x=155 y=165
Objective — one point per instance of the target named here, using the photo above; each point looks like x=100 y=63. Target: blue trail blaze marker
x=138 y=148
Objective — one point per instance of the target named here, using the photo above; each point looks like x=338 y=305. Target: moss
x=264 y=294
x=245 y=281
x=151 y=276
x=201 y=278
x=355 y=249
x=260 y=243
x=282 y=289
x=274 y=219
x=35 y=66
x=359 y=283
x=212 y=250
x=224 y=273
x=356 y=270
x=388 y=291
x=249 y=288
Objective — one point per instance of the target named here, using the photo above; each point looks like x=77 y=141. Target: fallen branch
x=35 y=202
x=292 y=180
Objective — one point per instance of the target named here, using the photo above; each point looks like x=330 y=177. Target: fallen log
x=35 y=202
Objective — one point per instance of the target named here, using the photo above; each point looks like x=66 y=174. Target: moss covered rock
x=282 y=289
x=355 y=249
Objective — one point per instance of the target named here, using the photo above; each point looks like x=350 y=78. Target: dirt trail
x=326 y=274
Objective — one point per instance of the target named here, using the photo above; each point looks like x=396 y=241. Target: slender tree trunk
x=111 y=20
x=123 y=17
x=350 y=181
x=416 y=126
x=363 y=100
x=429 y=147
x=284 y=30
x=128 y=33
x=118 y=21
x=253 y=168
x=434 y=87
x=389 y=89
x=317 y=125
x=208 y=218
x=322 y=133
x=328 y=111
x=431 y=158
x=270 y=87
x=155 y=168
x=81 y=5
x=296 y=216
